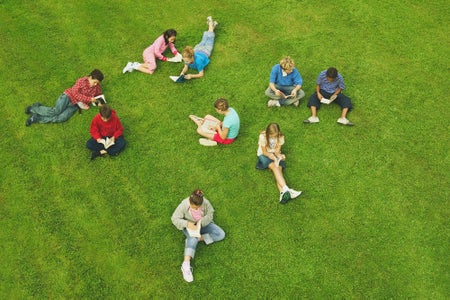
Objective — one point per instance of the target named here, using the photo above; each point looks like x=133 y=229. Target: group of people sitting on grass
x=194 y=215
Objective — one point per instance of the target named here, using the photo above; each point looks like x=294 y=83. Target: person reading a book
x=82 y=93
x=106 y=133
x=329 y=87
x=156 y=51
x=197 y=58
x=194 y=216
x=285 y=84
x=270 y=157
x=214 y=131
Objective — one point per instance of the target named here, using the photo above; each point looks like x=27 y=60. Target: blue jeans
x=62 y=111
x=211 y=233
x=112 y=150
x=207 y=44
x=264 y=162
x=287 y=90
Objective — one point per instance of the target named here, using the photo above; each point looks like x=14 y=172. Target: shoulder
x=206 y=203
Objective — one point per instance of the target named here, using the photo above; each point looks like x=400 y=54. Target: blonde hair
x=188 y=52
x=221 y=104
x=287 y=63
x=273 y=129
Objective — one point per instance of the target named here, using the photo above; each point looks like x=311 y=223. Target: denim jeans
x=62 y=111
x=119 y=144
x=207 y=44
x=287 y=90
x=210 y=233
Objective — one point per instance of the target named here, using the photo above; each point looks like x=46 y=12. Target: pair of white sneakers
x=343 y=121
x=209 y=20
x=130 y=67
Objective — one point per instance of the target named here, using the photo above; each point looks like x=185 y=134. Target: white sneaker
x=345 y=121
x=294 y=193
x=311 y=120
x=296 y=103
x=209 y=20
x=207 y=142
x=135 y=65
x=187 y=273
x=128 y=67
x=272 y=103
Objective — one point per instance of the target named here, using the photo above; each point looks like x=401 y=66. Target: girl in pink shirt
x=155 y=51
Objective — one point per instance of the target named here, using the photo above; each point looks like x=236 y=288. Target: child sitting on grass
x=270 y=156
x=224 y=132
x=192 y=214
x=106 y=127
x=198 y=57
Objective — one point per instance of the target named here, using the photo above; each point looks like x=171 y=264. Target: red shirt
x=82 y=91
x=100 y=128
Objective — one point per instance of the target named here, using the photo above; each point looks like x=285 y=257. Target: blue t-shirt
x=330 y=87
x=232 y=122
x=200 y=61
x=276 y=76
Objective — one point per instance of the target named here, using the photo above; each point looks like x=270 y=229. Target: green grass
x=373 y=219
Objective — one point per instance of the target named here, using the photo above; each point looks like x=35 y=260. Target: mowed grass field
x=373 y=219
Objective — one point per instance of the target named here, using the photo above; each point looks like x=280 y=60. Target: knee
x=220 y=235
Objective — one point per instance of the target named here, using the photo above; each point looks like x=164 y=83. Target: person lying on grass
x=197 y=58
x=155 y=51
x=194 y=216
x=270 y=157
x=106 y=134
x=214 y=131
x=79 y=95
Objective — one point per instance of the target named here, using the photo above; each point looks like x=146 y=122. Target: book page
x=196 y=232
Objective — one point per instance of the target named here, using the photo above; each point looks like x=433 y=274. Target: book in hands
x=178 y=79
x=209 y=124
x=195 y=232
x=177 y=58
x=100 y=99
x=325 y=100
x=107 y=142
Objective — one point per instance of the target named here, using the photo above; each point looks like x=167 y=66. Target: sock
x=284 y=189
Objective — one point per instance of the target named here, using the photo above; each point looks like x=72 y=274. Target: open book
x=328 y=101
x=178 y=78
x=107 y=142
x=209 y=124
x=325 y=100
x=195 y=232
x=100 y=100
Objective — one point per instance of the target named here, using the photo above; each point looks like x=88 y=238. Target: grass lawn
x=373 y=219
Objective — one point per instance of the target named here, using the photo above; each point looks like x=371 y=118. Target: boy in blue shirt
x=197 y=58
x=285 y=85
x=329 y=87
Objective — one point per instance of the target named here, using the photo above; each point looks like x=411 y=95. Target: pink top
x=159 y=46
x=197 y=214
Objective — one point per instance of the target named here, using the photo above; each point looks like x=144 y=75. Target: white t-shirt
x=272 y=143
